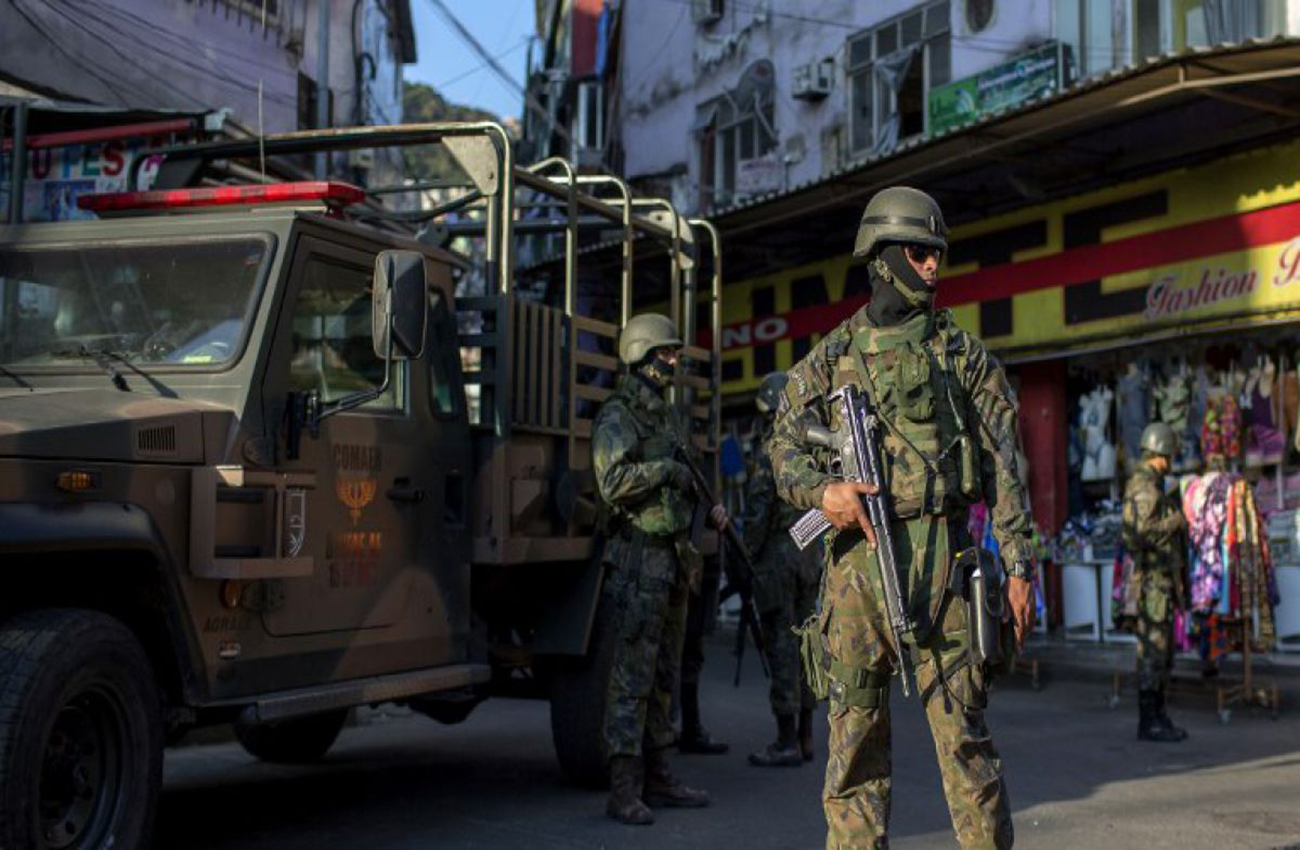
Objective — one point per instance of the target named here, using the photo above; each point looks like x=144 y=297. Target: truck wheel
x=578 y=706
x=80 y=733
x=298 y=740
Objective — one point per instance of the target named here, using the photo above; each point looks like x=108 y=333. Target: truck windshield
x=177 y=302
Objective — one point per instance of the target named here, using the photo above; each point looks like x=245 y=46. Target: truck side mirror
x=399 y=305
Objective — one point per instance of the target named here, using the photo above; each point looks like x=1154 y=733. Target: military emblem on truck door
x=355 y=494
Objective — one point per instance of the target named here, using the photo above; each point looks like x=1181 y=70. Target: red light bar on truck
x=319 y=191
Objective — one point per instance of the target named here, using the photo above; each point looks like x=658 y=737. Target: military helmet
x=900 y=214
x=643 y=334
x=769 y=392
x=1159 y=439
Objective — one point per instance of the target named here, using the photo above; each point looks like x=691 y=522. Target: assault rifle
x=740 y=583
x=856 y=457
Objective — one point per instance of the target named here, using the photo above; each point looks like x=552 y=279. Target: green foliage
x=422 y=103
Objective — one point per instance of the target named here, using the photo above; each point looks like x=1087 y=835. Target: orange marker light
x=78 y=481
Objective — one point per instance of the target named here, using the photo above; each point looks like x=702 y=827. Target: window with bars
x=876 y=94
x=738 y=126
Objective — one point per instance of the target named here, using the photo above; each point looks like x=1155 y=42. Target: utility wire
x=127 y=61
x=182 y=61
x=530 y=101
x=472 y=71
x=28 y=17
x=178 y=39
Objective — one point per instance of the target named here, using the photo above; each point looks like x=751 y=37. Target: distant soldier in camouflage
x=950 y=440
x=1154 y=535
x=785 y=593
x=652 y=564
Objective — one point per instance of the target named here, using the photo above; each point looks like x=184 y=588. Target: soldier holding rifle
x=935 y=422
x=651 y=497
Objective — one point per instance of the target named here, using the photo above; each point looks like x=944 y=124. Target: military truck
x=247 y=477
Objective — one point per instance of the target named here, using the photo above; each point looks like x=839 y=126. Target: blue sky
x=448 y=64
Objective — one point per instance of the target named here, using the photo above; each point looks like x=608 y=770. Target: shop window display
x=1235 y=406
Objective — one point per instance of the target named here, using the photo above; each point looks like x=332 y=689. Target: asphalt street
x=1077 y=778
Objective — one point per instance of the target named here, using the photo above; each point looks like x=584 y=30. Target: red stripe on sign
x=817 y=319
x=1149 y=250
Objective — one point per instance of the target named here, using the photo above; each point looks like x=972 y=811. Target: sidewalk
x=1089 y=661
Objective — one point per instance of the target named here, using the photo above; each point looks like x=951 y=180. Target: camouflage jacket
x=767 y=513
x=633 y=440
x=968 y=384
x=1154 y=529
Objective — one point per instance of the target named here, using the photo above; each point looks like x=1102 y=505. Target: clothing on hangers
x=1133 y=403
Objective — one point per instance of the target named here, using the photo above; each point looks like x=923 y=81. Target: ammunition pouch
x=830 y=678
x=929 y=461
x=813 y=655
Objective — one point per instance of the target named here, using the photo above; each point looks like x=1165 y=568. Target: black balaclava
x=898 y=293
x=655 y=373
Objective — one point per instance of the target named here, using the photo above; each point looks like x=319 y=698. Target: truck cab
x=260 y=464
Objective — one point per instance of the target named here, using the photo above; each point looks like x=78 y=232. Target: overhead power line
x=530 y=101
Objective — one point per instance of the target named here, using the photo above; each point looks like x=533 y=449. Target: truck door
x=363 y=521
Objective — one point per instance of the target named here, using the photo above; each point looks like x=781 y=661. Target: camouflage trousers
x=701 y=617
x=856 y=794
x=786 y=582
x=1155 y=651
x=648 y=594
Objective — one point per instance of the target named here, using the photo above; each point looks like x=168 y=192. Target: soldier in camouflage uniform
x=652 y=564
x=949 y=441
x=1154 y=530
x=785 y=594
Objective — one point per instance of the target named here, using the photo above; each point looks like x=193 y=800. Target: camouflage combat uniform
x=933 y=383
x=634 y=437
x=785 y=584
x=1153 y=536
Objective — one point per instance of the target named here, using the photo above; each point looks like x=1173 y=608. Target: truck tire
x=80 y=733
x=299 y=740
x=578 y=706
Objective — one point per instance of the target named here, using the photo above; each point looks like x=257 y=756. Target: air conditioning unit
x=706 y=11
x=813 y=81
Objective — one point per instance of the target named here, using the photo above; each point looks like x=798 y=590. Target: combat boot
x=784 y=751
x=664 y=789
x=1163 y=719
x=625 y=804
x=1149 y=727
x=695 y=738
x=806 y=734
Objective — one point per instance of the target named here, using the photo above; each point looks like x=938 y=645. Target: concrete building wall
x=671 y=65
x=199 y=55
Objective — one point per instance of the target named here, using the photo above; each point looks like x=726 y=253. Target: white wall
x=666 y=73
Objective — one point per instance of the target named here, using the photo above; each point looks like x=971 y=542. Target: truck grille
x=159 y=440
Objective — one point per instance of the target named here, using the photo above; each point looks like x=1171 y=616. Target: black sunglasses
x=921 y=253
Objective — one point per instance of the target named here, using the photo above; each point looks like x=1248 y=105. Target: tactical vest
x=667 y=511
x=929 y=458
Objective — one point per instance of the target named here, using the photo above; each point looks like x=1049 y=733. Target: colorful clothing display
x=1221 y=430
x=1231 y=567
